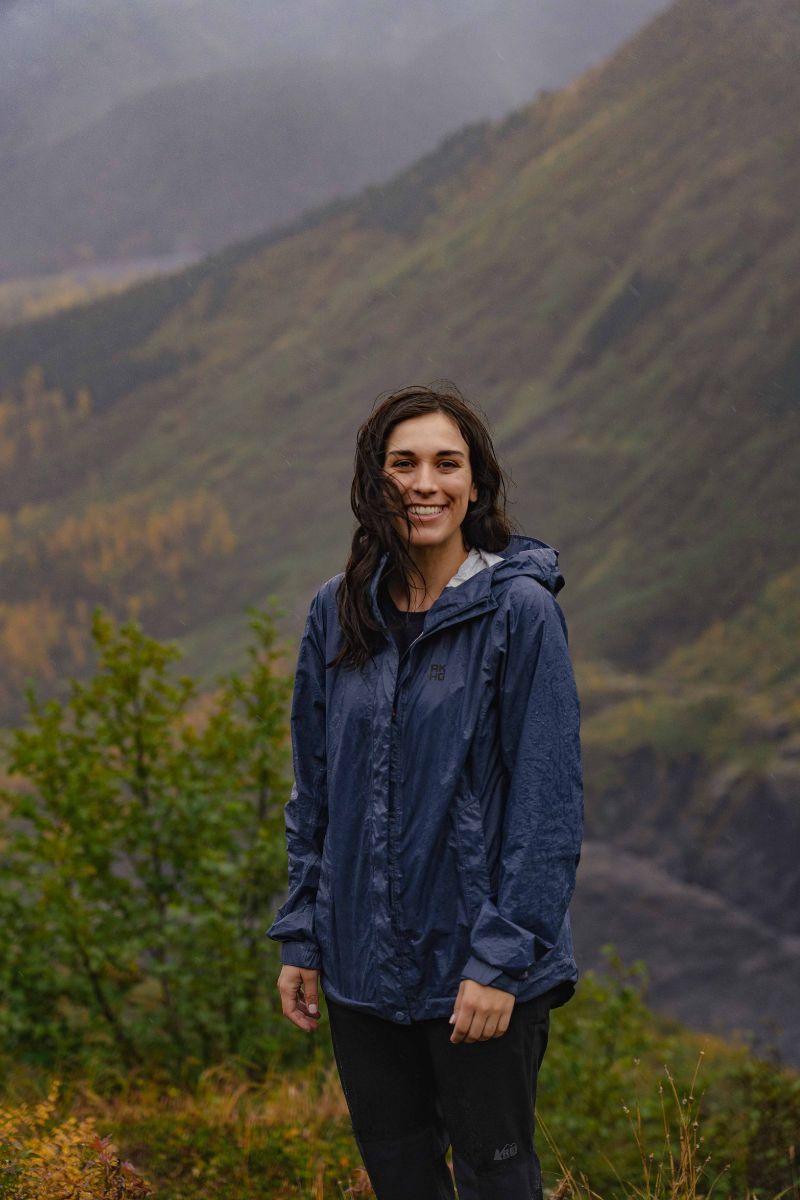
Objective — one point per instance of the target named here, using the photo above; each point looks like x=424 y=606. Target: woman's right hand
x=298 y=988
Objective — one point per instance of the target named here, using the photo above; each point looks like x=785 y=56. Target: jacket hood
x=528 y=556
x=522 y=556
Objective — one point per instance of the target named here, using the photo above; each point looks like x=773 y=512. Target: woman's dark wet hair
x=376 y=502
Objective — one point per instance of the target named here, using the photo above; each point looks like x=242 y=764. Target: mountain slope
x=612 y=272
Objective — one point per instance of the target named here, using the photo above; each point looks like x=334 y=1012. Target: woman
x=435 y=821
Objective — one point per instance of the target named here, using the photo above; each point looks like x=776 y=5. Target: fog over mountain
x=146 y=127
x=93 y=53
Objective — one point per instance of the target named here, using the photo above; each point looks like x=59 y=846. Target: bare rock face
x=694 y=868
x=711 y=965
x=734 y=833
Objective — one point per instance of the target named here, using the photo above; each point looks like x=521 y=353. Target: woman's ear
x=474 y=493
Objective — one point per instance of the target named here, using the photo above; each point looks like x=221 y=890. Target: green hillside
x=612 y=273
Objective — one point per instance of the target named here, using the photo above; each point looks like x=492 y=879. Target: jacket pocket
x=471 y=850
x=322 y=905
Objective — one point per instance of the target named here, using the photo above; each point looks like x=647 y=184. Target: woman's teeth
x=426 y=510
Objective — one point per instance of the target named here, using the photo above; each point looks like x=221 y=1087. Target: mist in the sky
x=193 y=36
x=121 y=120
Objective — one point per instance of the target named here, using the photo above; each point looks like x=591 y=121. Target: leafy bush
x=42 y=1158
x=144 y=852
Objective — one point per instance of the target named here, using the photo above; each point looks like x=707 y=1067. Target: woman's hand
x=480 y=1012
x=299 y=998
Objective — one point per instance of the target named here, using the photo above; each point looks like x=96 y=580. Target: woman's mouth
x=426 y=512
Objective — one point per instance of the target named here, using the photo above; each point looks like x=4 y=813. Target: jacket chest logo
x=437 y=671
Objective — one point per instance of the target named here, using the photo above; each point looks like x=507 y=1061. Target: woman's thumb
x=310 y=991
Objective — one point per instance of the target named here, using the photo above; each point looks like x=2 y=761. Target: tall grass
x=675 y=1164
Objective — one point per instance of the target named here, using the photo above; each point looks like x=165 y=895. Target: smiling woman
x=435 y=821
x=436 y=488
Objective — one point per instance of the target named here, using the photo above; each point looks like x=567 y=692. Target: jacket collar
x=522 y=556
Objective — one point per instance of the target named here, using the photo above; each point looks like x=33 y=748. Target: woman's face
x=428 y=459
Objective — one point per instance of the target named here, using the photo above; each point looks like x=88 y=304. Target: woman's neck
x=437 y=565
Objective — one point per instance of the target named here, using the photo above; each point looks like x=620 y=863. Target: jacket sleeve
x=539 y=719
x=306 y=811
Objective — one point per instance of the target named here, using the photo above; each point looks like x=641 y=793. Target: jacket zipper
x=457 y=617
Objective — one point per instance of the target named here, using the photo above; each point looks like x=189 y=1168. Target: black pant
x=411 y=1092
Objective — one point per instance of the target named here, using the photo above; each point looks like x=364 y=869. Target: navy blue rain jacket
x=434 y=824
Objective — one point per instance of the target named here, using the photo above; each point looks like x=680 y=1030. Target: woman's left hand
x=480 y=1012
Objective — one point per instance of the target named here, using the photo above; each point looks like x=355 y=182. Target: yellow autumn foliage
x=29 y=633
x=114 y=547
x=44 y=1158
x=133 y=532
x=34 y=418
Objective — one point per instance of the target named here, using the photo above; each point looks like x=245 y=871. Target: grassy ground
x=629 y=1106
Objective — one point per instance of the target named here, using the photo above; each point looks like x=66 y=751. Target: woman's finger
x=302 y=1021
x=490 y=1028
x=476 y=1028
x=464 y=1015
x=310 y=992
x=299 y=1015
x=292 y=1009
x=293 y=1005
x=503 y=1023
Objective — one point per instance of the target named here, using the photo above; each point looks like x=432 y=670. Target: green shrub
x=631 y=1105
x=144 y=852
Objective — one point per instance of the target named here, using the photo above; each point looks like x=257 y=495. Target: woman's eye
x=402 y=463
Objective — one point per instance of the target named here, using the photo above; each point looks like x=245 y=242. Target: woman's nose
x=424 y=480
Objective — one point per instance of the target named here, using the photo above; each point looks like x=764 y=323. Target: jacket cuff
x=300 y=954
x=489 y=976
x=515 y=946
